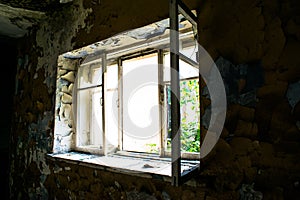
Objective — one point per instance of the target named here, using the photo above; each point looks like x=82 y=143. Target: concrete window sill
x=131 y=163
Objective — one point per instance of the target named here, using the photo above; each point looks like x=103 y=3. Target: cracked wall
x=259 y=147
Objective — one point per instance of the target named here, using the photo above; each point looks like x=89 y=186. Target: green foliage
x=152 y=148
x=190 y=115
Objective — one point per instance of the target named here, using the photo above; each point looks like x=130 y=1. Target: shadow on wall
x=241 y=83
x=8 y=65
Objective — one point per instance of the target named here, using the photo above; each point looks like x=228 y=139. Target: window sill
x=136 y=164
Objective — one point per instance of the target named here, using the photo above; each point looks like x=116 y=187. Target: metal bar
x=183 y=79
x=103 y=103
x=190 y=173
x=120 y=104
x=138 y=54
x=86 y=88
x=189 y=61
x=175 y=93
x=186 y=12
x=200 y=96
x=161 y=102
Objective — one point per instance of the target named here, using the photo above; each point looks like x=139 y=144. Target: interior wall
x=259 y=148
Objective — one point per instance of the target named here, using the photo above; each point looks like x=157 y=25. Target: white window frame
x=131 y=51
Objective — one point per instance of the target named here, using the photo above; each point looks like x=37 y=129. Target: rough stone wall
x=64 y=124
x=32 y=132
x=259 y=145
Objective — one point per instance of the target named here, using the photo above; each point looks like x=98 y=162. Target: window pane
x=189 y=105
x=140 y=104
x=185 y=70
x=89 y=121
x=111 y=108
x=89 y=75
x=188 y=44
x=112 y=77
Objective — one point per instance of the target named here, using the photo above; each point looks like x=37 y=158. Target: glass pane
x=89 y=108
x=189 y=90
x=111 y=108
x=185 y=70
x=90 y=75
x=140 y=104
x=189 y=94
x=89 y=121
x=188 y=45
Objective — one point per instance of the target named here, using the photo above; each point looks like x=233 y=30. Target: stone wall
x=258 y=153
x=64 y=123
x=260 y=141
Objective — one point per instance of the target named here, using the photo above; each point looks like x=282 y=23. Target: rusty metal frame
x=103 y=103
x=175 y=94
x=120 y=104
x=177 y=7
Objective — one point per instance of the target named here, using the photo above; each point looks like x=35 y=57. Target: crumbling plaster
x=240 y=31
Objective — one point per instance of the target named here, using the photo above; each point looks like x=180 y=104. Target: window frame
x=176 y=7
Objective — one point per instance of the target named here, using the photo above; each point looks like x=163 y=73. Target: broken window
x=135 y=100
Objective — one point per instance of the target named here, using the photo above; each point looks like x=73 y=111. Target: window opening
x=142 y=105
x=89 y=107
x=104 y=83
x=111 y=104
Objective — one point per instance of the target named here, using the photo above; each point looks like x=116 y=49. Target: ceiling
x=17 y=17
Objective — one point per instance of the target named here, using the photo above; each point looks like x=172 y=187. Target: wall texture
x=259 y=151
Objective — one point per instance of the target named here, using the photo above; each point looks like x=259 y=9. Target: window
x=135 y=99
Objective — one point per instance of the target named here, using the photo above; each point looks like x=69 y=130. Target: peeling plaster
x=15 y=22
x=60 y=38
x=37 y=154
x=51 y=45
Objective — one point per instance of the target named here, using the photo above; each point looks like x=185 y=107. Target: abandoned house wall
x=258 y=153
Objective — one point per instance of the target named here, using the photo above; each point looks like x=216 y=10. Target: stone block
x=61 y=72
x=246 y=113
x=277 y=90
x=206 y=102
x=232 y=111
x=233 y=179
x=188 y=194
x=291 y=134
x=273 y=43
x=266 y=148
x=288 y=147
x=223 y=154
x=70 y=77
x=64 y=89
x=240 y=145
x=69 y=64
x=60 y=61
x=281 y=118
x=271 y=77
x=67 y=110
x=271 y=177
x=250 y=174
x=274 y=194
x=293 y=28
x=289 y=62
x=70 y=88
x=296 y=112
x=246 y=129
x=66 y=98
x=40 y=106
x=224 y=133
x=263 y=116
